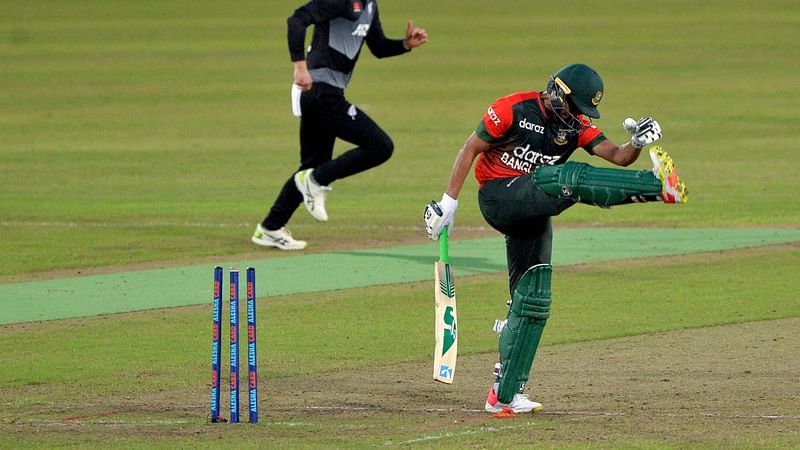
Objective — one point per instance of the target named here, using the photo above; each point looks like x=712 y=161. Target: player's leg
x=608 y=187
x=322 y=108
x=516 y=206
x=529 y=283
x=316 y=147
x=520 y=337
x=345 y=121
x=520 y=210
x=373 y=146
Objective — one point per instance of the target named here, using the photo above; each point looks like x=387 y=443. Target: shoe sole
x=666 y=170
x=264 y=243
x=493 y=410
x=299 y=184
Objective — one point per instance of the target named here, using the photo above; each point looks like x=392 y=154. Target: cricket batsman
x=522 y=146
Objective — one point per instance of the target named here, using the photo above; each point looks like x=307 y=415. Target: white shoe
x=279 y=238
x=519 y=404
x=313 y=194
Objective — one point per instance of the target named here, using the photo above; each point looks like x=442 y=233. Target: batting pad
x=519 y=339
x=596 y=185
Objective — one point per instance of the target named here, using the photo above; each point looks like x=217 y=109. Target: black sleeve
x=379 y=44
x=312 y=12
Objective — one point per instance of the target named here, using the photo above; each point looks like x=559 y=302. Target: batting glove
x=438 y=215
x=644 y=132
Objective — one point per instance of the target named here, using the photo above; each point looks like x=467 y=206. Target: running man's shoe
x=313 y=194
x=673 y=188
x=519 y=404
x=279 y=238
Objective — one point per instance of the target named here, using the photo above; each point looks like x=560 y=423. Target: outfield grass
x=146 y=134
x=150 y=132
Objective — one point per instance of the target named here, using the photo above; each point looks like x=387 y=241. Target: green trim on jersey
x=595 y=142
x=482 y=133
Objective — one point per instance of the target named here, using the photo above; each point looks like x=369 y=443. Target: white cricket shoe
x=313 y=194
x=519 y=404
x=279 y=238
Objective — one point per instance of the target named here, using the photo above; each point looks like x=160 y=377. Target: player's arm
x=645 y=131
x=463 y=163
x=438 y=215
x=495 y=123
x=623 y=155
x=311 y=13
x=383 y=47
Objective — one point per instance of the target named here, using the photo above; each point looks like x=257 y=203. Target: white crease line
x=483 y=429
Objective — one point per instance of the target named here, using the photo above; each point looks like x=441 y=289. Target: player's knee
x=532 y=296
x=562 y=180
x=383 y=149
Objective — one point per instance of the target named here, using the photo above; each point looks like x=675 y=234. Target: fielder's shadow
x=468 y=263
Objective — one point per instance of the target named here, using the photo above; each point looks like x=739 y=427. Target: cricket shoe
x=519 y=404
x=673 y=189
x=313 y=194
x=280 y=238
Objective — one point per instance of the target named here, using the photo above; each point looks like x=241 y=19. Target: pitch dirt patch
x=721 y=387
x=714 y=384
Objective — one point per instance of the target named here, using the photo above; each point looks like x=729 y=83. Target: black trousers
x=520 y=210
x=327 y=115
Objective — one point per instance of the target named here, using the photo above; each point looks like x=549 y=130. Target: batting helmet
x=580 y=85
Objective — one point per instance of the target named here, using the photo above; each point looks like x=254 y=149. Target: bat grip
x=443 y=247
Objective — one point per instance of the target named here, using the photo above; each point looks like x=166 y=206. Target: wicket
x=216 y=345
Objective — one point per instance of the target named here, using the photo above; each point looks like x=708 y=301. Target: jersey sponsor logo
x=530 y=126
x=493 y=116
x=361 y=30
x=524 y=159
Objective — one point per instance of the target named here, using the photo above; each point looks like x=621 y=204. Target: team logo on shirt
x=561 y=138
x=356 y=7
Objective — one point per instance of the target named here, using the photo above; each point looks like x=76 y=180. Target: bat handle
x=443 y=247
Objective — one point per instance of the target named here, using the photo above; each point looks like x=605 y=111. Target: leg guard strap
x=596 y=185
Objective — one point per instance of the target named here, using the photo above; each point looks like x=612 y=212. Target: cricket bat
x=446 y=351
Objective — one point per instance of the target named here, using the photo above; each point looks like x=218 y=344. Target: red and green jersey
x=522 y=138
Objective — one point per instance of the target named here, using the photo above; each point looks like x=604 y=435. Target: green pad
x=596 y=185
x=530 y=308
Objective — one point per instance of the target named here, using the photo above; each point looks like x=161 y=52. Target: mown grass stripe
x=294 y=274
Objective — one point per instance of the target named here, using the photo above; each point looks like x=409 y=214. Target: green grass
x=141 y=119
x=361 y=326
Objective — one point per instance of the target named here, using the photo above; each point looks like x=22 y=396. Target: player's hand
x=438 y=215
x=302 y=77
x=644 y=132
x=414 y=36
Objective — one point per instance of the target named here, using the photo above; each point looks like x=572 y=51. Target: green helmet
x=581 y=85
